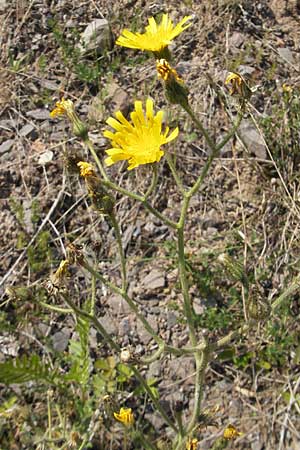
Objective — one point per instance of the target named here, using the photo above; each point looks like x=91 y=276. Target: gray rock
x=154 y=370
x=39 y=114
x=144 y=336
x=117 y=98
x=3 y=5
x=127 y=325
x=60 y=339
x=109 y=324
x=236 y=39
x=6 y=146
x=118 y=305
x=96 y=37
x=154 y=280
x=287 y=54
x=252 y=139
x=172 y=319
x=26 y=130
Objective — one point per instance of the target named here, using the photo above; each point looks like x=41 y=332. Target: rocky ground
x=249 y=201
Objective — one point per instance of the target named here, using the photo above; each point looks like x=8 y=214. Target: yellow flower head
x=156 y=36
x=287 y=88
x=66 y=108
x=86 y=169
x=192 y=444
x=165 y=71
x=236 y=82
x=138 y=142
x=125 y=416
x=231 y=432
x=63 y=108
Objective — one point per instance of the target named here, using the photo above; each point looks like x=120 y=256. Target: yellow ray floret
x=138 y=141
x=156 y=36
x=125 y=416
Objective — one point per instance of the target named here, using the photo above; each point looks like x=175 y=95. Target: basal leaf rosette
x=139 y=141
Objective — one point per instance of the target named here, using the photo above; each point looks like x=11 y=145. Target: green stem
x=154 y=399
x=188 y=309
x=126 y=297
x=202 y=360
x=153 y=182
x=174 y=172
x=93 y=298
x=55 y=308
x=94 y=320
x=116 y=227
x=96 y=158
x=199 y=125
x=140 y=199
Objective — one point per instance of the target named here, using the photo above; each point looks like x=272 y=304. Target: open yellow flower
x=156 y=36
x=138 y=142
x=125 y=416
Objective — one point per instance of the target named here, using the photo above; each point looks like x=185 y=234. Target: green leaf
x=24 y=369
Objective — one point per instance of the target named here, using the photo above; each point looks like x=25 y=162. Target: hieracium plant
x=143 y=138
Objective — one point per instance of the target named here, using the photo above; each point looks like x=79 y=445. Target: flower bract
x=138 y=141
x=156 y=36
x=125 y=416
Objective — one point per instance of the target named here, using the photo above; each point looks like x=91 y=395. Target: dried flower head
x=86 y=169
x=125 y=416
x=138 y=142
x=238 y=85
x=231 y=432
x=156 y=36
x=165 y=71
x=236 y=82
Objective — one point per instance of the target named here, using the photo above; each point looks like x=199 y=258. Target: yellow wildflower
x=156 y=36
x=287 y=88
x=86 y=169
x=192 y=444
x=165 y=71
x=231 y=432
x=138 y=142
x=236 y=82
x=63 y=108
x=125 y=416
x=66 y=108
